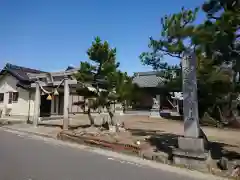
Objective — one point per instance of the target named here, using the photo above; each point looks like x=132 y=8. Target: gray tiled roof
x=19 y=72
x=148 y=79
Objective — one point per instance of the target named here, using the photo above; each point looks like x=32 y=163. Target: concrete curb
x=114 y=146
x=4 y=122
x=29 y=132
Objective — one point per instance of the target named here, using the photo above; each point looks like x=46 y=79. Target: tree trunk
x=124 y=106
x=84 y=105
x=111 y=114
x=90 y=117
x=113 y=124
x=231 y=96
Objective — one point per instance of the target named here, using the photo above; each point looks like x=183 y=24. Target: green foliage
x=215 y=42
x=84 y=91
x=224 y=17
x=176 y=29
x=85 y=72
x=124 y=86
x=102 y=65
x=99 y=72
x=217 y=35
x=102 y=72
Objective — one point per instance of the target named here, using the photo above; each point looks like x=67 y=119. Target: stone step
x=9 y=120
x=17 y=117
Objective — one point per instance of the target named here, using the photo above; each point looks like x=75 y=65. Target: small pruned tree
x=100 y=73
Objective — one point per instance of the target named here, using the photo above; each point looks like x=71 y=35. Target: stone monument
x=191 y=149
x=155 y=111
x=155 y=104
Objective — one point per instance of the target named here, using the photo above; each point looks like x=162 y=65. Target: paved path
x=25 y=157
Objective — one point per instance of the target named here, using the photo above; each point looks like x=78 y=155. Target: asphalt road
x=25 y=158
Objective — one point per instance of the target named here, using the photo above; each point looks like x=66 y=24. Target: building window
x=13 y=97
x=1 y=97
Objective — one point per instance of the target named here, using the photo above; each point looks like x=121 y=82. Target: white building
x=24 y=93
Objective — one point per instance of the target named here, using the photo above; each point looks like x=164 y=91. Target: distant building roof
x=148 y=79
x=70 y=67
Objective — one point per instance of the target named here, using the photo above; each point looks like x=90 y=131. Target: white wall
x=8 y=84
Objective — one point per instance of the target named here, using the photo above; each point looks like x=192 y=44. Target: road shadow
x=166 y=142
x=219 y=150
x=144 y=132
x=70 y=127
x=172 y=117
x=161 y=141
x=49 y=125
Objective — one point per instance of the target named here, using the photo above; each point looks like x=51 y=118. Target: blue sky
x=52 y=34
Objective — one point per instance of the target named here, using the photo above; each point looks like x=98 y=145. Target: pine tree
x=179 y=33
x=101 y=72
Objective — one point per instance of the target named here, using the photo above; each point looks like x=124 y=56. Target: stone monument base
x=190 y=153
x=155 y=113
x=119 y=112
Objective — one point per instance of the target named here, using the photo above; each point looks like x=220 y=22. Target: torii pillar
x=66 y=104
x=36 y=104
